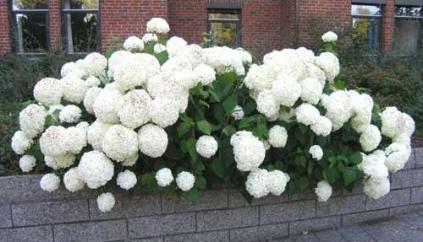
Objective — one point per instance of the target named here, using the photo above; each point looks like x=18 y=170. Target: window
x=80 y=25
x=224 y=27
x=408 y=30
x=367 y=26
x=29 y=25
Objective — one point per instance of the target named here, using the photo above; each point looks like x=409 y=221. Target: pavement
x=400 y=228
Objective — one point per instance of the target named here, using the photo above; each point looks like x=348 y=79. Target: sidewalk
x=401 y=228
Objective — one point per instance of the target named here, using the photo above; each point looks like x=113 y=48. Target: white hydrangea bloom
x=185 y=181
x=248 y=150
x=278 y=136
x=311 y=90
x=329 y=63
x=135 y=108
x=60 y=161
x=116 y=59
x=177 y=63
x=370 y=138
x=90 y=97
x=106 y=202
x=224 y=59
x=329 y=37
x=152 y=140
x=408 y=125
x=92 y=81
x=48 y=91
x=322 y=127
x=20 y=142
x=266 y=104
x=95 y=134
x=316 y=152
x=323 y=191
x=95 y=64
x=107 y=104
x=158 y=26
x=49 y=182
x=362 y=106
x=286 y=90
x=67 y=68
x=126 y=179
x=307 y=114
x=74 y=89
x=72 y=181
x=338 y=108
x=391 y=122
x=158 y=48
x=175 y=46
x=206 y=146
x=76 y=139
x=147 y=37
x=130 y=161
x=133 y=43
x=396 y=156
x=374 y=164
x=205 y=74
x=376 y=187
x=246 y=56
x=259 y=78
x=164 y=177
x=238 y=113
x=27 y=163
x=95 y=169
x=163 y=112
x=185 y=78
x=53 y=142
x=276 y=182
x=120 y=143
x=32 y=119
x=70 y=114
x=257 y=183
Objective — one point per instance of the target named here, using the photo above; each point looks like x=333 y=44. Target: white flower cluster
x=329 y=37
x=206 y=146
x=323 y=191
x=248 y=150
x=261 y=182
x=158 y=26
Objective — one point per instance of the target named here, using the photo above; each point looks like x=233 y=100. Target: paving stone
x=128 y=206
x=357 y=189
x=415 y=220
x=5 y=217
x=21 y=188
x=341 y=205
x=259 y=233
x=287 y=212
x=354 y=234
x=207 y=200
x=405 y=209
x=25 y=214
x=28 y=234
x=301 y=238
x=402 y=179
x=349 y=219
x=161 y=225
x=155 y=239
x=91 y=231
x=316 y=224
x=393 y=230
x=231 y=218
x=418 y=177
x=220 y=236
x=418 y=156
x=237 y=200
x=416 y=195
x=393 y=199
x=411 y=163
x=330 y=236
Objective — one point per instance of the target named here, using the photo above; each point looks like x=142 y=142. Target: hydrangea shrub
x=167 y=116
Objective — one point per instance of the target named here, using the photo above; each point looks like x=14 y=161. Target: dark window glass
x=81 y=30
x=224 y=27
x=367 y=26
x=408 y=30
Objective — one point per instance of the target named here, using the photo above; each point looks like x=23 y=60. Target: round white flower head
x=50 y=182
x=74 y=89
x=48 y=91
x=267 y=105
x=370 y=138
x=70 y=114
x=206 y=146
x=158 y=26
x=408 y=126
x=277 y=181
x=391 y=122
x=185 y=181
x=257 y=183
x=152 y=140
x=149 y=37
x=316 y=152
x=338 y=108
x=322 y=127
x=135 y=109
x=286 y=90
x=164 y=177
x=95 y=134
x=205 y=74
x=163 y=112
x=158 y=48
x=311 y=90
x=248 y=150
x=278 y=136
x=329 y=63
x=259 y=78
x=107 y=104
x=60 y=161
x=95 y=64
x=396 y=156
x=95 y=169
x=20 y=142
x=32 y=120
x=133 y=43
x=130 y=161
x=307 y=114
x=323 y=191
x=90 y=97
x=175 y=46
x=116 y=59
x=53 y=142
x=185 y=78
x=374 y=164
x=224 y=59
x=376 y=187
x=126 y=179
x=92 y=81
x=67 y=68
x=329 y=37
x=120 y=143
x=238 y=113
x=72 y=181
x=76 y=139
x=27 y=163
x=362 y=106
x=106 y=202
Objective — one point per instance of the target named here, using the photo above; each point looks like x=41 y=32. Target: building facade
x=78 y=26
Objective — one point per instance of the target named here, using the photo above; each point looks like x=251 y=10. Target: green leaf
x=184 y=128
x=331 y=174
x=349 y=175
x=204 y=127
x=201 y=182
x=219 y=168
x=301 y=160
x=229 y=103
x=189 y=146
x=247 y=122
x=162 y=57
x=229 y=130
x=261 y=130
x=192 y=195
x=148 y=181
x=355 y=158
x=339 y=84
x=303 y=183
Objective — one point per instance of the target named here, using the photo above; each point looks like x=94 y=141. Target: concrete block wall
x=29 y=214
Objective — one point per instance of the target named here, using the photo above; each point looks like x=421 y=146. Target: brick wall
x=29 y=214
x=54 y=8
x=5 y=43
x=388 y=26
